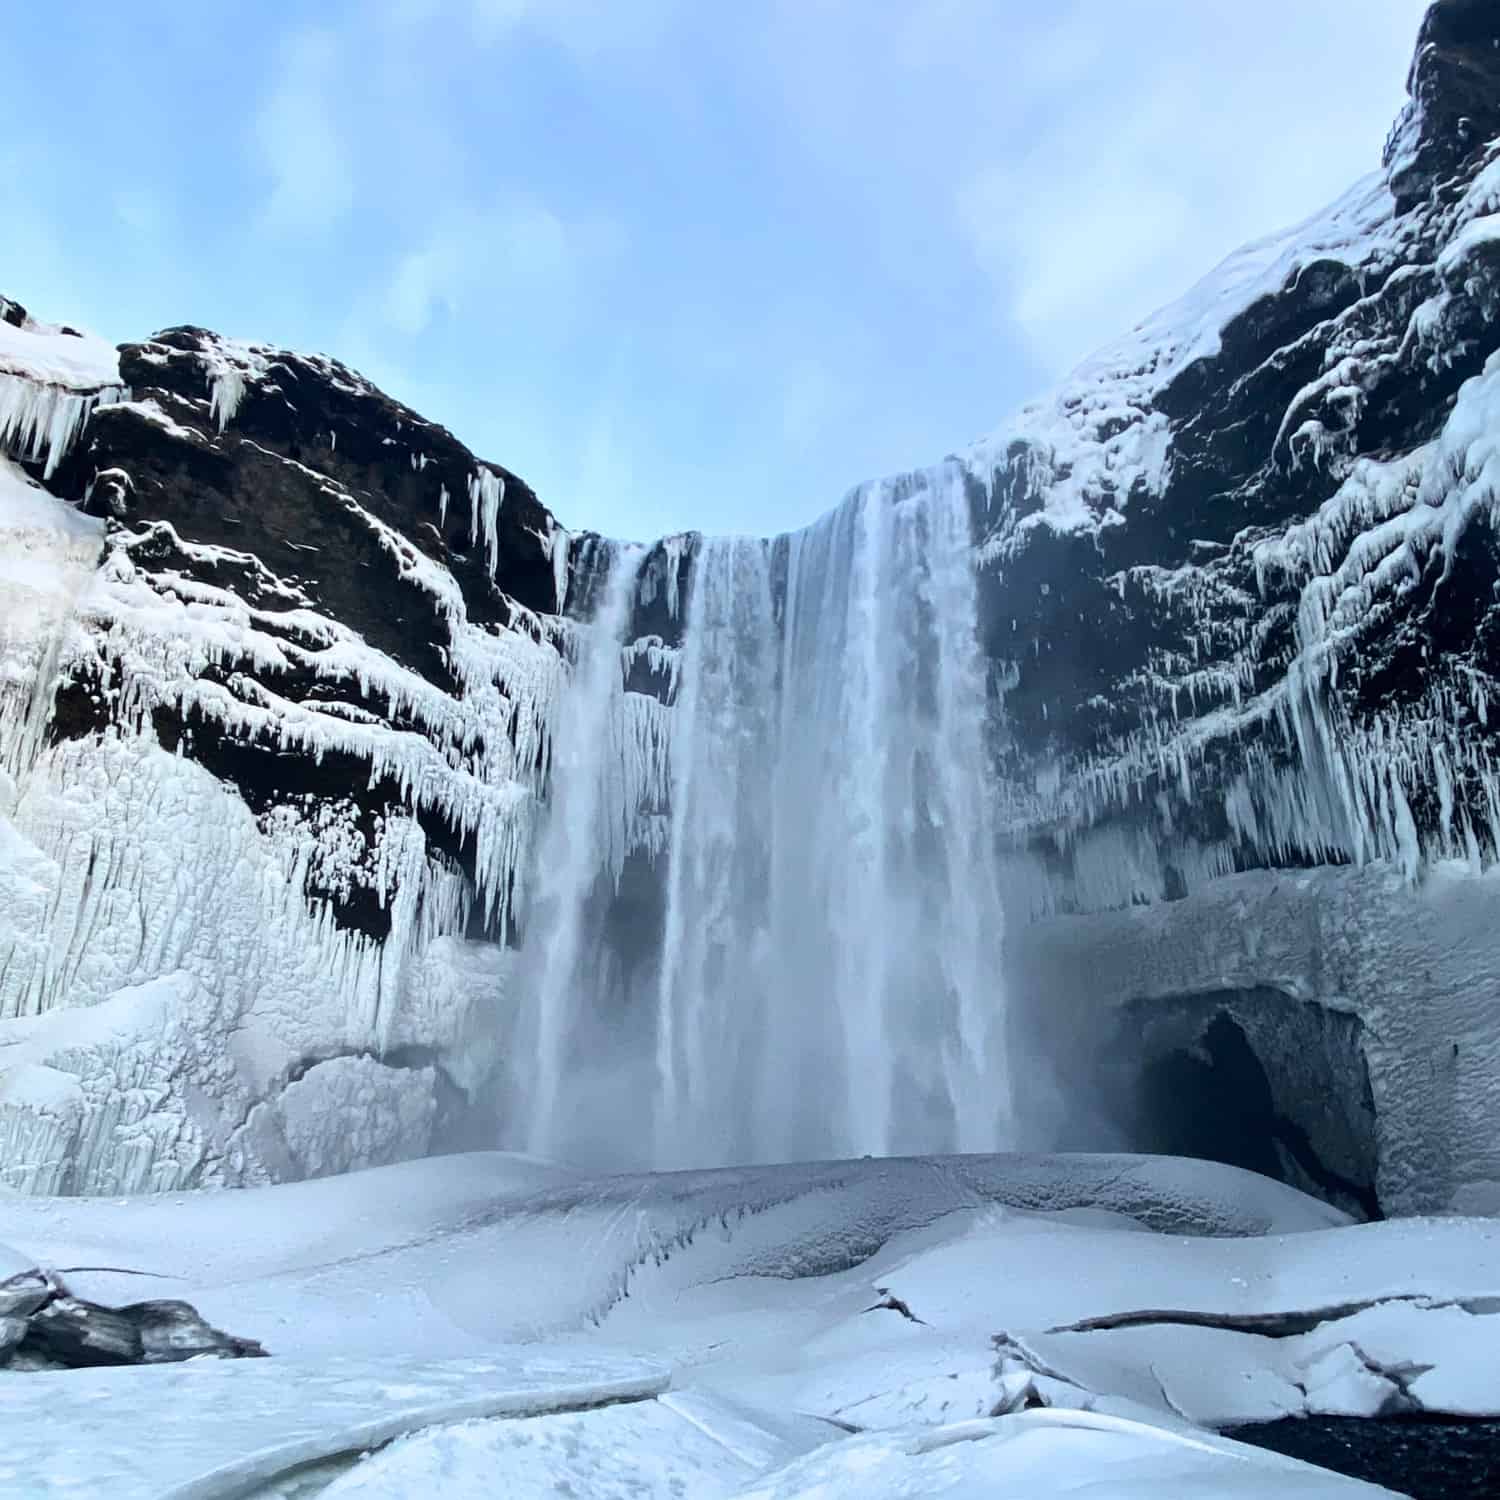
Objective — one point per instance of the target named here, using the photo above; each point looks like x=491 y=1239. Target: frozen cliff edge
x=274 y=720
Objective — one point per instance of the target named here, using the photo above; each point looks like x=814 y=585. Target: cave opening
x=1252 y=1078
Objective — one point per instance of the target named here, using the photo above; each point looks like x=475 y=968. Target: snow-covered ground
x=862 y=1328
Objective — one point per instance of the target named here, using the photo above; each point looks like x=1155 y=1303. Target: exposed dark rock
x=75 y=1333
x=173 y=1331
x=43 y=1326
x=1255 y=1079
x=1455 y=98
x=1428 y=1458
x=25 y=1293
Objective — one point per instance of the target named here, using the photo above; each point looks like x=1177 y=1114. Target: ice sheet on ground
x=1046 y=1454
x=784 y=1288
x=203 y=1429
x=679 y=1445
x=296 y=1261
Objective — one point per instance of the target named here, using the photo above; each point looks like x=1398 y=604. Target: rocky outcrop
x=1239 y=571
x=43 y=1326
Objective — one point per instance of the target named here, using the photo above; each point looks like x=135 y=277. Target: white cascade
x=826 y=976
x=568 y=866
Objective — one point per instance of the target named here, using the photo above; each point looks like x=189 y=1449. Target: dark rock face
x=1455 y=98
x=321 y=497
x=1219 y=646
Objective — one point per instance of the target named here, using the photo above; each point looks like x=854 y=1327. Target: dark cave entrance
x=1255 y=1079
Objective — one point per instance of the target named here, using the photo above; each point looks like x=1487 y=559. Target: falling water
x=568 y=863
x=826 y=979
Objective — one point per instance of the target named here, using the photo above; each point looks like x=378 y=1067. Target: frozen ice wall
x=823 y=979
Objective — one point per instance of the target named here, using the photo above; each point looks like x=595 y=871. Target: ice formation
x=156 y=915
x=49 y=383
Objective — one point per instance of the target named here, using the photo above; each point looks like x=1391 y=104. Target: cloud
x=1134 y=181
x=808 y=397
x=511 y=262
x=298 y=141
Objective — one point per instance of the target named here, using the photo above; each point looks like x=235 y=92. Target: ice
x=782 y=1304
x=207 y=1428
x=125 y=865
x=678 y=1445
x=486 y=494
x=49 y=383
x=47 y=554
x=1046 y=1454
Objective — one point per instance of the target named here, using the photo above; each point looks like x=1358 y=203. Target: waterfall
x=825 y=980
x=568 y=864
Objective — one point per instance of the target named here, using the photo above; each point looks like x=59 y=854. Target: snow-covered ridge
x=1211 y=549
x=1100 y=435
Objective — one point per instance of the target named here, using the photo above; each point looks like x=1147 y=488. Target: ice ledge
x=219 y=1429
x=50 y=382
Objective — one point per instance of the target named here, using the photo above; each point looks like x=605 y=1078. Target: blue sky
x=680 y=263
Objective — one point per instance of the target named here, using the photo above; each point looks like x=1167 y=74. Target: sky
x=678 y=263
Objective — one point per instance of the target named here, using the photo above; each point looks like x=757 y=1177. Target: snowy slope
x=785 y=1306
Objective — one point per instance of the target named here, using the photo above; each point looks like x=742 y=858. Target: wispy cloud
x=298 y=140
x=1111 y=188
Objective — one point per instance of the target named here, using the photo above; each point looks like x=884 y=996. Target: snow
x=679 y=1445
x=49 y=384
x=1088 y=445
x=1043 y=1455
x=53 y=358
x=47 y=553
x=207 y=1429
x=743 y=1323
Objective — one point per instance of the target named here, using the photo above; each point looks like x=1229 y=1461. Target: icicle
x=39 y=423
x=486 y=492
